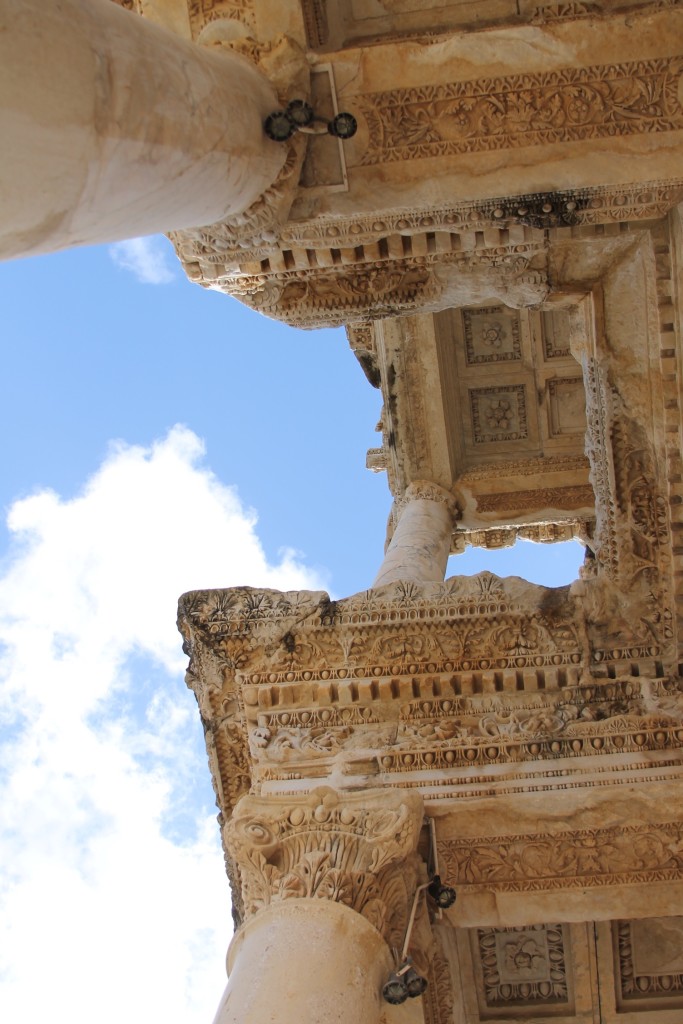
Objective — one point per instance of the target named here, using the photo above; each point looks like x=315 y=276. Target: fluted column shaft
x=112 y=127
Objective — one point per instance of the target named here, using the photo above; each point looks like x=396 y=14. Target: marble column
x=327 y=881
x=112 y=127
x=421 y=542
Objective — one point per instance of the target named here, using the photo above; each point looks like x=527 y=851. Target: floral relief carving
x=439 y=1001
x=498 y=413
x=598 y=857
x=523 y=110
x=354 y=848
x=524 y=966
x=545 y=497
x=571 y=10
x=492 y=335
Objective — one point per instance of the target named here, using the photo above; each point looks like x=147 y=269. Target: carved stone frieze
x=563 y=860
x=632 y=534
x=546 y=497
x=458 y=630
x=526 y=467
x=574 y=10
x=523 y=110
x=448 y=678
x=314 y=296
x=354 y=848
x=571 y=10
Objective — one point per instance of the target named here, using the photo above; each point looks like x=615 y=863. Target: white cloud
x=113 y=900
x=144 y=257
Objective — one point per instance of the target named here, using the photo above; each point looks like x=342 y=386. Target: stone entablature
x=469 y=692
x=369 y=229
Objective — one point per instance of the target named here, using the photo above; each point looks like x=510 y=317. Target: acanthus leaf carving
x=354 y=848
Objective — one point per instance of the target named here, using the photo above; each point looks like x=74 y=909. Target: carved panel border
x=638 y=989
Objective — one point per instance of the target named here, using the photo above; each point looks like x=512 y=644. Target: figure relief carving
x=353 y=848
x=523 y=110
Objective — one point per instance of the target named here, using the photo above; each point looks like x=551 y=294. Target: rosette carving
x=353 y=848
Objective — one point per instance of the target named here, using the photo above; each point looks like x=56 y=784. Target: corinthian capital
x=357 y=849
x=427 y=490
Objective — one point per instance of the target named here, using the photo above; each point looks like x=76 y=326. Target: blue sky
x=156 y=437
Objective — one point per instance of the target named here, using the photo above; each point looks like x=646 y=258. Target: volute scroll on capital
x=356 y=848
